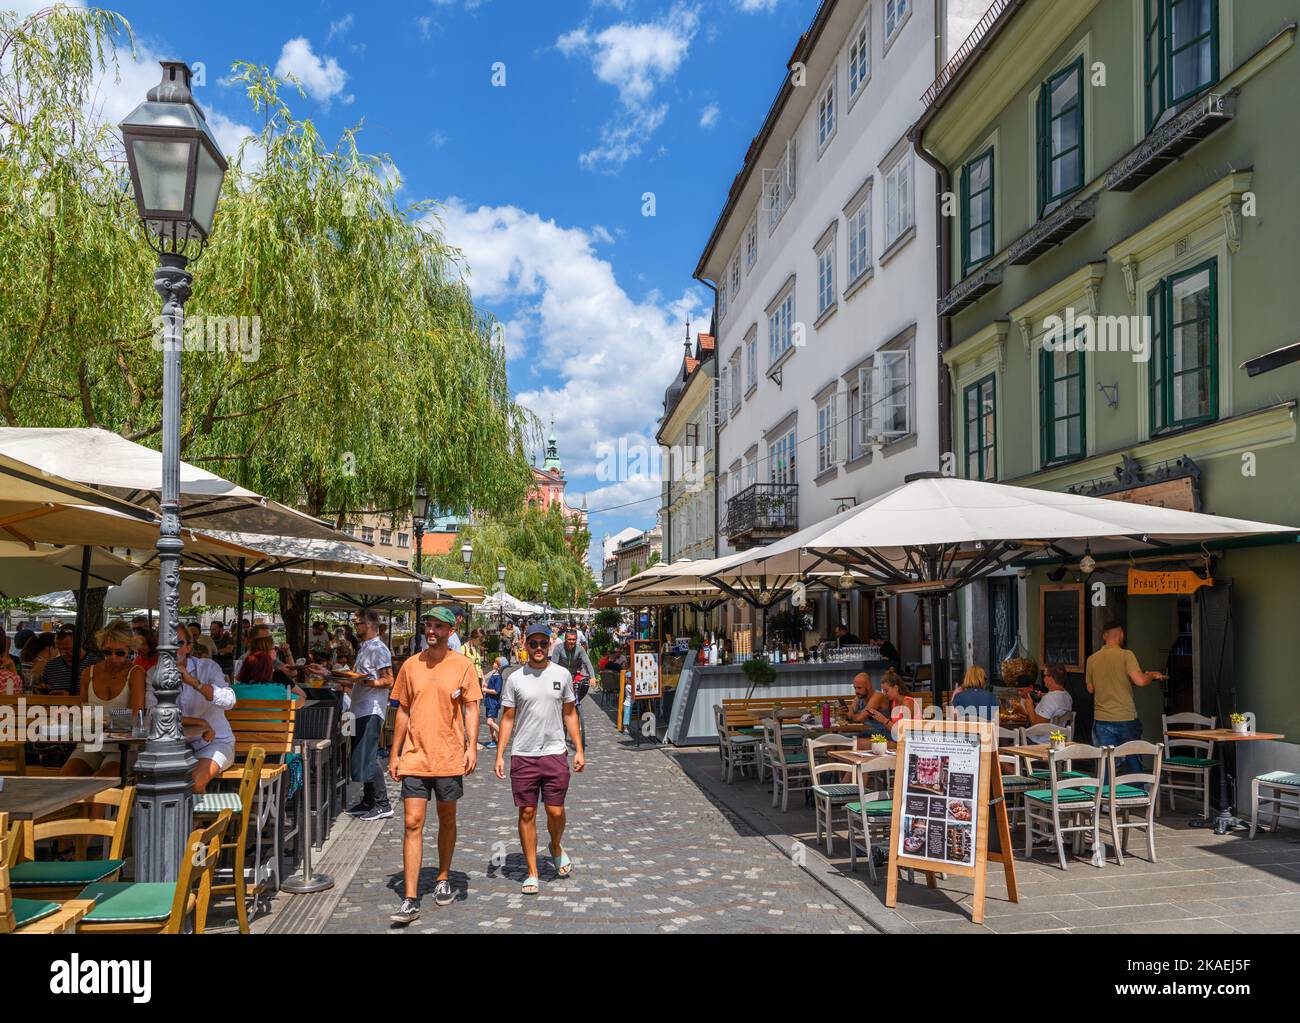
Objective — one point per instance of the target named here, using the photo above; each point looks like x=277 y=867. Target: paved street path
x=651 y=854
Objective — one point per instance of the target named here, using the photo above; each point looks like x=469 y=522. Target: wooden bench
x=13 y=753
x=740 y=713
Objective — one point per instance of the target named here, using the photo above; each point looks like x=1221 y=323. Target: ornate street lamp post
x=176 y=171
x=467 y=556
x=419 y=511
x=546 y=610
x=501 y=594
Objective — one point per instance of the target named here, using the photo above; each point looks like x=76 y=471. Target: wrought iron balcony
x=762 y=513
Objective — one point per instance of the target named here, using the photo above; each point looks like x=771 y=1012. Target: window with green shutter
x=977 y=211
x=1181 y=52
x=1060 y=137
x=980 y=413
x=1061 y=403
x=1184 y=367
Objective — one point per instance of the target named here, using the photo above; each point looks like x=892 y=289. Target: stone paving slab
x=1200 y=882
x=652 y=854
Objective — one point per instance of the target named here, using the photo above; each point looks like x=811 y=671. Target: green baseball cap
x=441 y=614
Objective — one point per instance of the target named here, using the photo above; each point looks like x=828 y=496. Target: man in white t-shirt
x=1055 y=703
x=370 y=709
x=453 y=641
x=204 y=698
x=537 y=709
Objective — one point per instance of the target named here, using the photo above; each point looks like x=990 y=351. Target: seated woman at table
x=37 y=652
x=146 y=646
x=1055 y=703
x=114 y=683
x=974 y=697
x=870 y=708
x=11 y=680
x=204 y=698
x=259 y=665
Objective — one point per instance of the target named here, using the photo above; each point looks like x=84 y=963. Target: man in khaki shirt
x=1112 y=672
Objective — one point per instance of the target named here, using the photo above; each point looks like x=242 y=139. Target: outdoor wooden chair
x=267 y=725
x=241 y=805
x=790 y=767
x=161 y=907
x=1067 y=806
x=32 y=916
x=61 y=880
x=830 y=791
x=1188 y=772
x=1279 y=790
x=1040 y=735
x=1015 y=782
x=871 y=813
x=1124 y=796
x=738 y=752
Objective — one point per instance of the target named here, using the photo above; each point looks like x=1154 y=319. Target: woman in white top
x=115 y=683
x=204 y=698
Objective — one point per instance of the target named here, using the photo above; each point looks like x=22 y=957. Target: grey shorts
x=444 y=790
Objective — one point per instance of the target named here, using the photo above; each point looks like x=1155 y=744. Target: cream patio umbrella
x=25 y=572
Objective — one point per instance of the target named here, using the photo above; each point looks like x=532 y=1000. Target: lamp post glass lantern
x=176 y=171
x=467 y=556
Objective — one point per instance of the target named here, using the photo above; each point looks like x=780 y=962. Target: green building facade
x=1122 y=206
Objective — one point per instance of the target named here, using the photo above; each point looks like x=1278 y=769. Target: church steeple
x=552 y=462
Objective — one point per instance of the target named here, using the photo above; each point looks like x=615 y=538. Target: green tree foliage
x=533 y=546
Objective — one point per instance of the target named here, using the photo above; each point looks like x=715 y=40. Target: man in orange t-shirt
x=438 y=694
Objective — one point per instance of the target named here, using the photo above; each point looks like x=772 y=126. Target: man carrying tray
x=435 y=744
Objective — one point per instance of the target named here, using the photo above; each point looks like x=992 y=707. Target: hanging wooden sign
x=947 y=795
x=1158 y=584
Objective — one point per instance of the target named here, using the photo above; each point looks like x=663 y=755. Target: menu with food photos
x=940 y=808
x=645 y=673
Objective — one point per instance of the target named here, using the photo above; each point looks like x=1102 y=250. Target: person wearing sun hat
x=435 y=744
x=537 y=708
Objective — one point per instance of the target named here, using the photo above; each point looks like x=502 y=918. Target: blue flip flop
x=563 y=865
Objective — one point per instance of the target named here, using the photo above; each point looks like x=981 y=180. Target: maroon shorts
x=548 y=775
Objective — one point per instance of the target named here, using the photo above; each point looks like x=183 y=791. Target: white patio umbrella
x=466 y=593
x=122 y=469
x=140 y=590
x=24 y=572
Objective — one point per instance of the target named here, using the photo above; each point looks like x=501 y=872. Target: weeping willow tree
x=334 y=355
x=535 y=546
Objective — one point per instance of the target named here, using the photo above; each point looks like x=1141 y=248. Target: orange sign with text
x=1159 y=584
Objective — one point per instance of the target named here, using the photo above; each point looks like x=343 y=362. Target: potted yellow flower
x=880 y=745
x=1240 y=723
x=1057 y=740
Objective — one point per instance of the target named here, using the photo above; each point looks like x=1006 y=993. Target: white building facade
x=824 y=263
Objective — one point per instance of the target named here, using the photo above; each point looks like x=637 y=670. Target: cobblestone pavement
x=651 y=854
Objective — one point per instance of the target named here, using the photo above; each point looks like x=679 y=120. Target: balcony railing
x=995 y=11
x=761 y=513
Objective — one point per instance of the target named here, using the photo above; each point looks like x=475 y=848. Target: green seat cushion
x=879 y=808
x=56 y=873
x=1280 y=778
x=128 y=902
x=836 y=791
x=1045 y=776
x=215 y=802
x=1189 y=762
x=744 y=739
x=796 y=758
x=28 y=911
x=1017 y=781
x=1077 y=795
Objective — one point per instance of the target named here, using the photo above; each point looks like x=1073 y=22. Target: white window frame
x=735 y=275
x=783 y=457
x=858 y=221
x=901 y=206
x=902 y=10
x=722 y=300
x=733 y=370
x=826 y=434
x=780 y=325
x=751 y=243
x=827 y=121
x=896 y=403
x=751 y=359
x=779 y=186
x=721 y=400
x=826 y=296
x=853 y=389
x=861 y=42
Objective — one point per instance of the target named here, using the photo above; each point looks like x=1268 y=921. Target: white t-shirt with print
x=372 y=658
x=1054 y=703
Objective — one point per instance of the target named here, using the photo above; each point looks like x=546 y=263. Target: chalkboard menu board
x=1060 y=625
x=880 y=620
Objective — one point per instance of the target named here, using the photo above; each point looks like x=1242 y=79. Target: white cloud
x=425 y=24
x=322 y=79
x=709 y=116
x=438 y=140
x=340 y=27
x=963 y=16
x=604 y=357
x=754 y=6
x=636 y=59
x=602 y=235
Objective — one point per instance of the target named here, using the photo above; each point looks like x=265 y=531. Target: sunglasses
x=117 y=653
x=539 y=644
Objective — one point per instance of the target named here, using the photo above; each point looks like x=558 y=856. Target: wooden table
x=29 y=799
x=855 y=757
x=1032 y=751
x=1227 y=818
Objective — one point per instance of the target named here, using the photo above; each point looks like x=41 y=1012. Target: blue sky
x=542 y=178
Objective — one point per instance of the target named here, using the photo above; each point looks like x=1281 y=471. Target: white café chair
x=871 y=814
x=737 y=750
x=1070 y=805
x=830 y=794
x=1123 y=796
x=789 y=765
x=1188 y=773
x=1279 y=790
